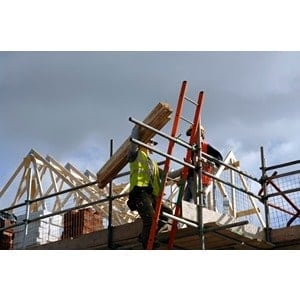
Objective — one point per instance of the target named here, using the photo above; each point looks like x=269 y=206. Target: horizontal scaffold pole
x=162 y=153
x=282 y=165
x=205 y=155
x=167 y=136
x=65 y=210
x=206 y=229
x=50 y=195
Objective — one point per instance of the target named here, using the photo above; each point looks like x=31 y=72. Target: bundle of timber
x=157 y=118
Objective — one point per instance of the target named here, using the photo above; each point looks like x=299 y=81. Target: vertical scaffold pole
x=265 y=196
x=110 y=227
x=27 y=201
x=199 y=187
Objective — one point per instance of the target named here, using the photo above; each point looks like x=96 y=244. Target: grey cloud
x=62 y=102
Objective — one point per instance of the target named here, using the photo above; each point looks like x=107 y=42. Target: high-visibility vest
x=208 y=168
x=144 y=172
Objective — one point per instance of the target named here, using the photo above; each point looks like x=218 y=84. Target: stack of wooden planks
x=157 y=118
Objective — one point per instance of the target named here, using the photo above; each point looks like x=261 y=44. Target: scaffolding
x=118 y=197
x=47 y=193
x=280 y=194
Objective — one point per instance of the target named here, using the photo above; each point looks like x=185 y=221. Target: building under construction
x=46 y=205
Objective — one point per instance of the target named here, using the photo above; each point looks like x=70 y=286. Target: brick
x=80 y=222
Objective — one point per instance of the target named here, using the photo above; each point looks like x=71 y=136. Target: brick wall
x=83 y=221
x=6 y=236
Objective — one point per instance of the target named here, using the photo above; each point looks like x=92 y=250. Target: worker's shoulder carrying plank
x=157 y=118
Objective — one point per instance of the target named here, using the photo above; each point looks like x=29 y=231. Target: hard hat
x=202 y=129
x=189 y=131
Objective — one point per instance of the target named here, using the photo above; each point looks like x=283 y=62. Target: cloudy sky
x=70 y=104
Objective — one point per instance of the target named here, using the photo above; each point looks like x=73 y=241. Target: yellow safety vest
x=141 y=174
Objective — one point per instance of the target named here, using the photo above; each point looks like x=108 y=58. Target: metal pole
x=180 y=220
x=265 y=196
x=110 y=227
x=231 y=185
x=66 y=210
x=188 y=146
x=27 y=202
x=284 y=174
x=283 y=165
x=208 y=229
x=193 y=167
x=199 y=188
x=285 y=192
x=50 y=195
x=211 y=158
x=62 y=192
x=167 y=136
x=162 y=153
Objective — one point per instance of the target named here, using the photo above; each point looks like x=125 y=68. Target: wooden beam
x=247 y=212
x=157 y=118
x=286 y=234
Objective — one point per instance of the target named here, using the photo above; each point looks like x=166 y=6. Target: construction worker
x=208 y=167
x=145 y=186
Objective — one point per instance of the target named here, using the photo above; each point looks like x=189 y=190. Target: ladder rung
x=190 y=100
x=188 y=121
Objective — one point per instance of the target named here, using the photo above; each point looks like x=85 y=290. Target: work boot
x=140 y=238
x=156 y=244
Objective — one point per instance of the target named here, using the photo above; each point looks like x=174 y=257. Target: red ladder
x=184 y=173
x=193 y=139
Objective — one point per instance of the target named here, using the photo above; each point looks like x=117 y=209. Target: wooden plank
x=157 y=118
x=285 y=235
x=126 y=235
x=247 y=212
x=241 y=238
x=214 y=241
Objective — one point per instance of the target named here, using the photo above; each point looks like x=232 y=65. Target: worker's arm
x=134 y=148
x=215 y=153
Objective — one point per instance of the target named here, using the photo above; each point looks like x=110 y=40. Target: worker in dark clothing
x=208 y=167
x=145 y=186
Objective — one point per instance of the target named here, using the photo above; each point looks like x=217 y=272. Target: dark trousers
x=190 y=193
x=142 y=200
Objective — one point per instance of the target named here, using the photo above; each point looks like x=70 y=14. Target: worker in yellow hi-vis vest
x=145 y=185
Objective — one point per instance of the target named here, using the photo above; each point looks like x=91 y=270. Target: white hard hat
x=202 y=129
